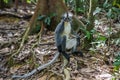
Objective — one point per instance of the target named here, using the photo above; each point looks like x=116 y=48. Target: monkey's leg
x=63 y=45
x=75 y=51
x=73 y=44
x=78 y=53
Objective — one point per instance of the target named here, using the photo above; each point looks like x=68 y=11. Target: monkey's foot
x=67 y=56
x=78 y=53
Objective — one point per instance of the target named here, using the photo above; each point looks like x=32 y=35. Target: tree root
x=65 y=69
x=11 y=61
x=67 y=74
x=23 y=41
x=33 y=53
x=48 y=78
x=61 y=75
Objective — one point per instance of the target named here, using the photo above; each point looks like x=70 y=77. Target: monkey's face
x=67 y=19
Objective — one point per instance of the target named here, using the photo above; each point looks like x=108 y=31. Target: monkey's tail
x=37 y=69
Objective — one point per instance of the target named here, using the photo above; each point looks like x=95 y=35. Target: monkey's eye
x=68 y=19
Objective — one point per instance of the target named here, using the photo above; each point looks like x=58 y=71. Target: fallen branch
x=5 y=13
x=67 y=74
x=65 y=69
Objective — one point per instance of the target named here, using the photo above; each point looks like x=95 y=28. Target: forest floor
x=93 y=66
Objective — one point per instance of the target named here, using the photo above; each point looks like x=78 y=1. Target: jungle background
x=27 y=38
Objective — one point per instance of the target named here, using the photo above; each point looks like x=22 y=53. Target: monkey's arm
x=37 y=69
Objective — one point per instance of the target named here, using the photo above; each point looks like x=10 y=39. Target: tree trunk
x=48 y=7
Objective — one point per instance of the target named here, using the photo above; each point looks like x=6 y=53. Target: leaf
x=41 y=17
x=97 y=10
x=105 y=4
x=114 y=2
x=103 y=38
x=52 y=15
x=38 y=27
x=28 y=1
x=80 y=10
x=109 y=14
x=117 y=10
x=116 y=68
x=88 y=34
x=47 y=20
x=6 y=1
x=117 y=61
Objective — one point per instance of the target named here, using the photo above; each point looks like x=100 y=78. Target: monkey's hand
x=74 y=36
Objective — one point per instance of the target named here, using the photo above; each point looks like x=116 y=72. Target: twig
x=66 y=71
x=67 y=74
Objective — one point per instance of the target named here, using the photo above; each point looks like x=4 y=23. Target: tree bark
x=47 y=7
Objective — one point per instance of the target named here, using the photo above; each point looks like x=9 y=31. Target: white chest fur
x=67 y=29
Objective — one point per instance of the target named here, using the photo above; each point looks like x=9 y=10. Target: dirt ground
x=93 y=66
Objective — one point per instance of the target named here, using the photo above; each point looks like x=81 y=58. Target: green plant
x=88 y=34
x=117 y=61
x=112 y=12
x=6 y=1
x=32 y=1
x=47 y=19
x=116 y=3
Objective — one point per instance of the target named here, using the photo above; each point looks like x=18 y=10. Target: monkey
x=63 y=32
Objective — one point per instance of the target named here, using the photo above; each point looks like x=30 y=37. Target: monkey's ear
x=67 y=14
x=62 y=17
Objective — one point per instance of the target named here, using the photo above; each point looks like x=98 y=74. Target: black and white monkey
x=65 y=38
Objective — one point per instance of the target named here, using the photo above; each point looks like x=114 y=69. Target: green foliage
x=6 y=1
x=97 y=10
x=112 y=12
x=28 y=1
x=79 y=6
x=101 y=38
x=117 y=61
x=32 y=1
x=107 y=8
x=116 y=3
x=88 y=34
x=41 y=17
x=47 y=19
